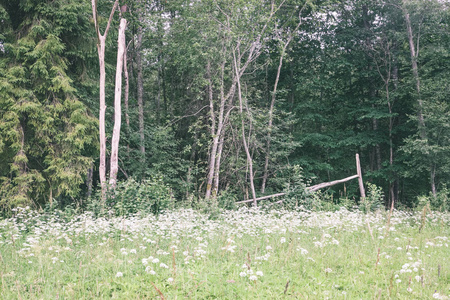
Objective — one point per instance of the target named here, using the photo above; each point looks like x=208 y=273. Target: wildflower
x=283 y=240
x=155 y=261
x=409 y=289
x=133 y=251
x=259 y=273
x=398 y=281
x=361 y=272
x=268 y=248
x=328 y=270
x=145 y=261
x=253 y=278
x=303 y=251
x=170 y=279
x=119 y=274
x=417 y=278
x=242 y=274
x=163 y=265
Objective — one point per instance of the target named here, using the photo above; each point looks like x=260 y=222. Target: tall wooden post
x=360 y=180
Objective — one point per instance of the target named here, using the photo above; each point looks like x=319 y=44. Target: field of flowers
x=243 y=254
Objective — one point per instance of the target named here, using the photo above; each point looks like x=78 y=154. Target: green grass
x=302 y=255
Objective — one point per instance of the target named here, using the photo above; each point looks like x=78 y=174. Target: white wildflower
x=253 y=277
x=119 y=274
x=163 y=265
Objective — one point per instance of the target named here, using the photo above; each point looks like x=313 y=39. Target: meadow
x=241 y=254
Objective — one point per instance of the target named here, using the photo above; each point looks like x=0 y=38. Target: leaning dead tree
x=324 y=185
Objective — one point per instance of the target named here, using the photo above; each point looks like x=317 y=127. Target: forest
x=218 y=101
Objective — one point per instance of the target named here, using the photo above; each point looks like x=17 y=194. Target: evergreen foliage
x=346 y=86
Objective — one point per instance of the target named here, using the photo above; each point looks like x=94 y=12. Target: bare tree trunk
x=117 y=106
x=272 y=105
x=217 y=134
x=269 y=128
x=244 y=139
x=140 y=89
x=217 y=168
x=101 y=57
x=90 y=176
x=415 y=70
x=213 y=152
x=127 y=93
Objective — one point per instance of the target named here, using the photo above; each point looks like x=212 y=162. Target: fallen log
x=322 y=185
x=312 y=188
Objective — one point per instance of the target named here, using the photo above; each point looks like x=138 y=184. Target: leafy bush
x=296 y=193
x=373 y=200
x=440 y=202
x=148 y=196
x=227 y=200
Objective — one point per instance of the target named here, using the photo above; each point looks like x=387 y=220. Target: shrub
x=148 y=196
x=373 y=200
x=296 y=193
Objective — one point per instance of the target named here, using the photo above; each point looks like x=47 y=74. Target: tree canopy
x=225 y=96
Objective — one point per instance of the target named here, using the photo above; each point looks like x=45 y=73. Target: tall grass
x=243 y=254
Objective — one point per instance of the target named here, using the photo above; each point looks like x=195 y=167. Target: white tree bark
x=101 y=42
x=117 y=106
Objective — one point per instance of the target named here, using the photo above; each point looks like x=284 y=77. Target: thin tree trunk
x=212 y=156
x=272 y=105
x=101 y=57
x=269 y=128
x=90 y=176
x=158 y=94
x=117 y=106
x=217 y=167
x=101 y=118
x=415 y=70
x=140 y=90
x=244 y=139
x=127 y=93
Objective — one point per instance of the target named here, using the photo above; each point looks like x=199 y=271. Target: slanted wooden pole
x=322 y=185
x=360 y=180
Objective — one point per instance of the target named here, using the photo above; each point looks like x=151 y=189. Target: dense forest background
x=227 y=97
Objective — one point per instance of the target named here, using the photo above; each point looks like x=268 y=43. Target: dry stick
x=174 y=266
x=378 y=258
x=360 y=179
x=286 y=287
x=159 y=292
